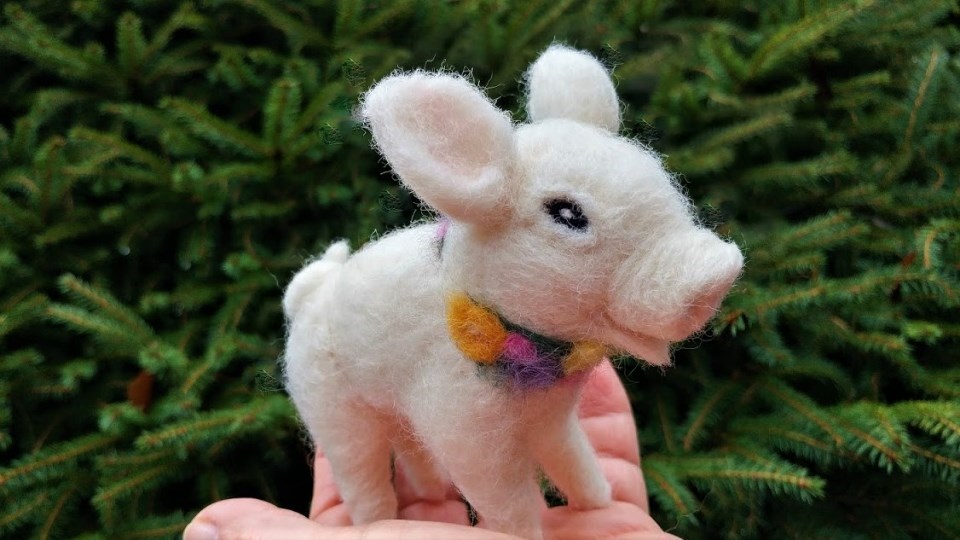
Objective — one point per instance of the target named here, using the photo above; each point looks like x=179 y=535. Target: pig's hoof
x=593 y=497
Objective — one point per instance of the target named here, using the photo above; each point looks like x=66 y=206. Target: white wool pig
x=460 y=346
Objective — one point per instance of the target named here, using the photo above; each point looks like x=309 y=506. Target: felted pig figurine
x=460 y=346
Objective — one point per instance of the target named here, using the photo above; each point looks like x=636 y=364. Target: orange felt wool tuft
x=584 y=355
x=476 y=331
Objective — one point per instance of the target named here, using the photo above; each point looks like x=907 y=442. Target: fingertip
x=603 y=393
x=252 y=518
x=208 y=524
x=617 y=521
x=454 y=512
x=200 y=530
x=613 y=435
x=230 y=509
x=424 y=530
x=326 y=495
x=626 y=482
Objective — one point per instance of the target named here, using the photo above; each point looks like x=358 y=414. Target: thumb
x=252 y=519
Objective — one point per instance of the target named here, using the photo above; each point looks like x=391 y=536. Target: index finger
x=607 y=420
x=326 y=506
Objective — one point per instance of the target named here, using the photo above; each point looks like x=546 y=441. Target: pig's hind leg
x=356 y=440
x=418 y=469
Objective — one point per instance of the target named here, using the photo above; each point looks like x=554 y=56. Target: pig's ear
x=446 y=141
x=566 y=83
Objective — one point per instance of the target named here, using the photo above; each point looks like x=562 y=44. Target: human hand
x=606 y=419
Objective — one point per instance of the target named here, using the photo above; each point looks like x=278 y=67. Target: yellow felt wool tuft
x=475 y=330
x=585 y=355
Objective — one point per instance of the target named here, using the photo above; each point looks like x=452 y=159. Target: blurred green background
x=166 y=167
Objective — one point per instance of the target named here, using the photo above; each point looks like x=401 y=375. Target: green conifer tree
x=165 y=168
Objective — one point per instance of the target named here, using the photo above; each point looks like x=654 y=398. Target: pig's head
x=559 y=224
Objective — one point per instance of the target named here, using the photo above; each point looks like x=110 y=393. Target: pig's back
x=385 y=313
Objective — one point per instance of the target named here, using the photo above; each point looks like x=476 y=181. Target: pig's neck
x=505 y=352
x=509 y=354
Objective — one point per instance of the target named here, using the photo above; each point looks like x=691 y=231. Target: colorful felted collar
x=513 y=354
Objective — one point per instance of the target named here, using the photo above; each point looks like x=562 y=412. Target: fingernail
x=200 y=530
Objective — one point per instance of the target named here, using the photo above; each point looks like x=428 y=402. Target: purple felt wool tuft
x=542 y=373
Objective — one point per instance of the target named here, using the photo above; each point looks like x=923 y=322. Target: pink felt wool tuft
x=520 y=349
x=442 y=226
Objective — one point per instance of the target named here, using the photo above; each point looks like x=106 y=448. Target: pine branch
x=666 y=421
x=280 y=112
x=808 y=174
x=103 y=302
x=22 y=509
x=5 y=416
x=51 y=462
x=110 y=493
x=151 y=122
x=20 y=359
x=156 y=527
x=215 y=130
x=938 y=418
x=790 y=99
x=120 y=464
x=876 y=434
x=707 y=411
x=783 y=394
x=382 y=17
x=131 y=44
x=791 y=439
x=722 y=60
x=184 y=18
x=220 y=352
x=860 y=287
x=320 y=104
x=176 y=63
x=64 y=499
x=16 y=220
x=233 y=69
x=729 y=472
x=29 y=38
x=942 y=462
x=212 y=427
x=793 y=40
x=21 y=313
x=71 y=374
x=160 y=357
x=298 y=34
x=668 y=490
x=107 y=330
x=713 y=151
x=928 y=77
x=119 y=147
x=927 y=240
x=820 y=369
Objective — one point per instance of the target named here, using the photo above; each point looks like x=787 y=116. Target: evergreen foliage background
x=165 y=168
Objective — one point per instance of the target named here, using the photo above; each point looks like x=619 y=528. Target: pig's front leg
x=569 y=461
x=477 y=445
x=501 y=485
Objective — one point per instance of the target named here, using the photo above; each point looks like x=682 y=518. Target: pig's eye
x=567 y=213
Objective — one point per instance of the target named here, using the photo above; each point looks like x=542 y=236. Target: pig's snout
x=704 y=304
x=671 y=290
